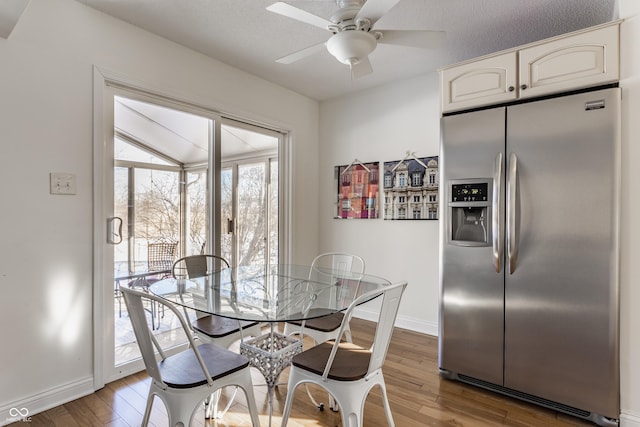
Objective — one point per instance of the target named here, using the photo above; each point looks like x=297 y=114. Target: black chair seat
x=323 y=324
x=183 y=370
x=350 y=364
x=218 y=327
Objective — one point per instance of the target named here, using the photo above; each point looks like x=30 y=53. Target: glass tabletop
x=269 y=293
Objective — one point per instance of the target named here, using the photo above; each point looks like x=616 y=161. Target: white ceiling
x=243 y=34
x=10 y=11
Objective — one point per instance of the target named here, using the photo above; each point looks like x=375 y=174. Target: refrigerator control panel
x=473 y=192
x=469 y=213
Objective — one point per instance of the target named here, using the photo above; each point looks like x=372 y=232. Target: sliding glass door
x=179 y=181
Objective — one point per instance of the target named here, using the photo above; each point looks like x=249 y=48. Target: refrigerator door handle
x=496 y=216
x=512 y=200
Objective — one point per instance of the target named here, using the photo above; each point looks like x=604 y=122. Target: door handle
x=512 y=207
x=496 y=214
x=114 y=230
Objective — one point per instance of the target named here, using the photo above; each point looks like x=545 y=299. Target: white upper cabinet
x=484 y=82
x=578 y=60
x=574 y=62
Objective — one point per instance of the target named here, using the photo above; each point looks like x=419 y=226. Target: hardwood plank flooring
x=418 y=397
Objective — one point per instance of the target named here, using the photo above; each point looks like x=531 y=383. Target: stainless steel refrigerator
x=529 y=251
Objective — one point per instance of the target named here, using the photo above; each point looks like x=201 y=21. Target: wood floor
x=418 y=396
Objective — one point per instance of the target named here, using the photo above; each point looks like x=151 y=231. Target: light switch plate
x=62 y=183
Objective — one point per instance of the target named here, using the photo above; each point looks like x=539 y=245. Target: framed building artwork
x=357 y=188
x=410 y=188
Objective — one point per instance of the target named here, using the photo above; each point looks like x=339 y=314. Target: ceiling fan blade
x=296 y=56
x=361 y=69
x=375 y=9
x=293 y=12
x=414 y=38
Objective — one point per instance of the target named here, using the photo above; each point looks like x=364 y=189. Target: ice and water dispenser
x=470 y=212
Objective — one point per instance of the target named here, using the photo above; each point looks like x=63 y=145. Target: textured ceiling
x=10 y=11
x=243 y=34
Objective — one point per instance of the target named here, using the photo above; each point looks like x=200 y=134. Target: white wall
x=46 y=105
x=630 y=228
x=382 y=125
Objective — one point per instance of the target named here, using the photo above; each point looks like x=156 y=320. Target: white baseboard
x=403 y=322
x=629 y=419
x=23 y=409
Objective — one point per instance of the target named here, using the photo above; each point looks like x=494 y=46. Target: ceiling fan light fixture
x=350 y=47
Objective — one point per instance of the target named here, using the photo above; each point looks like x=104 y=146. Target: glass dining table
x=269 y=294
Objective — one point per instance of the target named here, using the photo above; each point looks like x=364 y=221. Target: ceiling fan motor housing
x=350 y=47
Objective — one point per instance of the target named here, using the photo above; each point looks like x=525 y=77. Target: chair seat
x=350 y=364
x=183 y=371
x=218 y=327
x=323 y=324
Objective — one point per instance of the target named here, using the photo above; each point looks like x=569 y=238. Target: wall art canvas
x=357 y=188
x=410 y=188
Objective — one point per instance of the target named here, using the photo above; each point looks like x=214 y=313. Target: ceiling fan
x=353 y=36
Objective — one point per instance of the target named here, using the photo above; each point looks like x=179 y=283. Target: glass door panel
x=273 y=213
x=196 y=212
x=250 y=194
x=148 y=202
x=157 y=216
x=251 y=215
x=227 y=244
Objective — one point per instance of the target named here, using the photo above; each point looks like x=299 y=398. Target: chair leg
x=317 y=405
x=385 y=402
x=147 y=410
x=211 y=405
x=251 y=399
x=351 y=407
x=288 y=403
x=180 y=409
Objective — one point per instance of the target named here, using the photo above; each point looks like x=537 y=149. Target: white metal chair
x=210 y=328
x=325 y=328
x=184 y=380
x=347 y=371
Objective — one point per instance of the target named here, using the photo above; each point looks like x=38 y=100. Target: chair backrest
x=144 y=332
x=391 y=296
x=193 y=266
x=339 y=261
x=341 y=268
x=160 y=255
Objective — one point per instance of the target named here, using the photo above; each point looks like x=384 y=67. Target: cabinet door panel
x=484 y=82
x=575 y=62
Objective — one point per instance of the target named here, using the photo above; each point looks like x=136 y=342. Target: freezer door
x=561 y=291
x=472 y=291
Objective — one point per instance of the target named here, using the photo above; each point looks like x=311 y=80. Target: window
x=416 y=199
x=416 y=214
x=388 y=180
x=416 y=179
x=402 y=180
x=401 y=199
